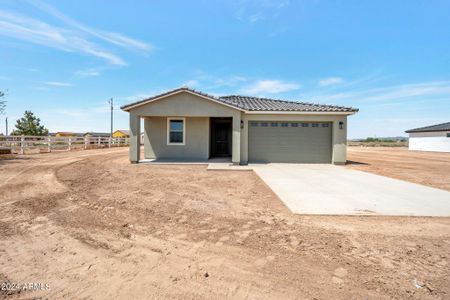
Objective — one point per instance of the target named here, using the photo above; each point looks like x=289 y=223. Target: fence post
x=22 y=144
x=85 y=142
x=49 y=144
x=109 y=142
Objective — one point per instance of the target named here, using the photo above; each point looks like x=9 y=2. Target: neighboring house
x=185 y=124
x=95 y=134
x=65 y=133
x=430 y=138
x=121 y=134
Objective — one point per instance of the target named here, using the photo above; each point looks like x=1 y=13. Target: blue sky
x=64 y=59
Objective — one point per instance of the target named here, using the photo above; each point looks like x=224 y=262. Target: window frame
x=168 y=131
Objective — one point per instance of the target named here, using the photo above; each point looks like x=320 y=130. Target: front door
x=220 y=137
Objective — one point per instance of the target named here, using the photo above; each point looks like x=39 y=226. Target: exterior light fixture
x=242 y=124
x=341 y=125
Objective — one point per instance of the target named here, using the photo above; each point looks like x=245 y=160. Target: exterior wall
x=430 y=143
x=197 y=111
x=185 y=105
x=429 y=134
x=119 y=134
x=196 y=139
x=135 y=134
x=189 y=105
x=339 y=136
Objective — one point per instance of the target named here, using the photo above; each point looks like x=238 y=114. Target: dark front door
x=220 y=137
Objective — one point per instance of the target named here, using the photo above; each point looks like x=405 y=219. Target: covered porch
x=186 y=139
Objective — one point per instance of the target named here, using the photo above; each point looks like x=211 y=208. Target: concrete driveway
x=335 y=190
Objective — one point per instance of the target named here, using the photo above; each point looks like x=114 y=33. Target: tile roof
x=126 y=132
x=107 y=134
x=437 y=127
x=266 y=104
x=248 y=103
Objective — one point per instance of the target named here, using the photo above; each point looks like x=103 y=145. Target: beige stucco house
x=184 y=124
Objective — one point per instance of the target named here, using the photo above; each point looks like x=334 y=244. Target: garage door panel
x=294 y=143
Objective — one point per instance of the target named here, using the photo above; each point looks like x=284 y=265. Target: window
x=294 y=124
x=315 y=124
x=448 y=134
x=176 y=131
x=254 y=124
x=325 y=125
x=264 y=124
x=305 y=124
x=274 y=124
x=284 y=124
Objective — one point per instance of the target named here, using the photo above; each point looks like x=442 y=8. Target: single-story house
x=430 y=138
x=65 y=134
x=96 y=134
x=186 y=124
x=121 y=134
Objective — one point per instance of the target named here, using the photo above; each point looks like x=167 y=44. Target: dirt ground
x=94 y=226
x=427 y=168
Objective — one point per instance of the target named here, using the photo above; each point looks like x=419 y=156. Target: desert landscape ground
x=92 y=225
x=427 y=168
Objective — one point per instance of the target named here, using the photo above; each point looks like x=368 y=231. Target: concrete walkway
x=335 y=190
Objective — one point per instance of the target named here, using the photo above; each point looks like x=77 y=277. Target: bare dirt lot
x=92 y=225
x=427 y=168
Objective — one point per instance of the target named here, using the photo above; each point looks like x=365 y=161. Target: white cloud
x=140 y=96
x=83 y=119
x=37 y=32
x=191 y=83
x=330 y=81
x=254 y=11
x=111 y=37
x=397 y=92
x=255 y=18
x=201 y=79
x=57 y=83
x=88 y=73
x=72 y=38
x=270 y=87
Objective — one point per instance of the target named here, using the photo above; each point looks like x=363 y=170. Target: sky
x=64 y=59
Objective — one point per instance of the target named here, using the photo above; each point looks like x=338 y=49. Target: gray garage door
x=299 y=142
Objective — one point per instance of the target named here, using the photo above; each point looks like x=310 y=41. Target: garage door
x=297 y=142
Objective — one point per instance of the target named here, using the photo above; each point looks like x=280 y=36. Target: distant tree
x=371 y=139
x=29 y=124
x=2 y=102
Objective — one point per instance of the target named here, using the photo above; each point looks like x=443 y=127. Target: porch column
x=236 y=151
x=135 y=138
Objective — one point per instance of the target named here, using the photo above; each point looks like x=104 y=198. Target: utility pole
x=112 y=109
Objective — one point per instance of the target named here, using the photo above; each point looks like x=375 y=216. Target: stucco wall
x=428 y=134
x=438 y=144
x=196 y=140
x=185 y=104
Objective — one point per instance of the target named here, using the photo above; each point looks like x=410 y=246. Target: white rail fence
x=23 y=144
